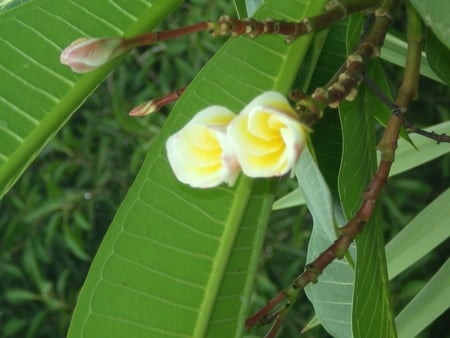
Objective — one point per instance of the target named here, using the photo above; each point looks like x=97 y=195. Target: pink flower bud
x=86 y=54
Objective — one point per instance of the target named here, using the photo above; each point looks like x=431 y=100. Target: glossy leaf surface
x=38 y=93
x=180 y=262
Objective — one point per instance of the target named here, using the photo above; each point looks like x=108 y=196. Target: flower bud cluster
x=264 y=140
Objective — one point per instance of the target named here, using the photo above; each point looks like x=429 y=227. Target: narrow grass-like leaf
x=430 y=303
x=394 y=51
x=177 y=261
x=429 y=228
x=38 y=93
x=17 y=296
x=332 y=295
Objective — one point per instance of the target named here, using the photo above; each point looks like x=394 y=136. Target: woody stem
x=335 y=10
x=387 y=147
x=349 y=77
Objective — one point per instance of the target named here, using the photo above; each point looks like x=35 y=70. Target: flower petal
x=267 y=137
x=200 y=154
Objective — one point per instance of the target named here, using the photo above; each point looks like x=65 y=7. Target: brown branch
x=335 y=10
x=348 y=78
x=400 y=113
x=387 y=146
x=439 y=138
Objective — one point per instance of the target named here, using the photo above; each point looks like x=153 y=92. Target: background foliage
x=54 y=218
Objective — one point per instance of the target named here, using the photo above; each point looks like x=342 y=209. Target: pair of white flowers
x=265 y=139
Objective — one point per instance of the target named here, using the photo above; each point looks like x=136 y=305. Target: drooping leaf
x=372 y=314
x=332 y=295
x=177 y=261
x=38 y=93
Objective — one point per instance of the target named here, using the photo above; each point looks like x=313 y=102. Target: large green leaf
x=38 y=93
x=177 y=261
x=372 y=314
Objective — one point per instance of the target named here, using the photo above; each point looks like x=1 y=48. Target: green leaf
x=293 y=199
x=326 y=135
x=376 y=74
x=430 y=303
x=372 y=314
x=18 y=296
x=402 y=251
x=394 y=51
x=436 y=15
x=247 y=8
x=438 y=56
x=177 y=261
x=73 y=242
x=12 y=327
x=241 y=8
x=332 y=295
x=38 y=93
x=252 y=6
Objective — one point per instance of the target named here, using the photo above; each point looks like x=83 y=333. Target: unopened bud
x=87 y=54
x=144 y=109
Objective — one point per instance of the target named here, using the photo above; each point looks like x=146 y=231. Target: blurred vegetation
x=53 y=220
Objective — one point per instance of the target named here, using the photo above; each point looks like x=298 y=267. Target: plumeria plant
x=180 y=257
x=264 y=140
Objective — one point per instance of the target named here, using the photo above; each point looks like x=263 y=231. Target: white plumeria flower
x=267 y=137
x=200 y=154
